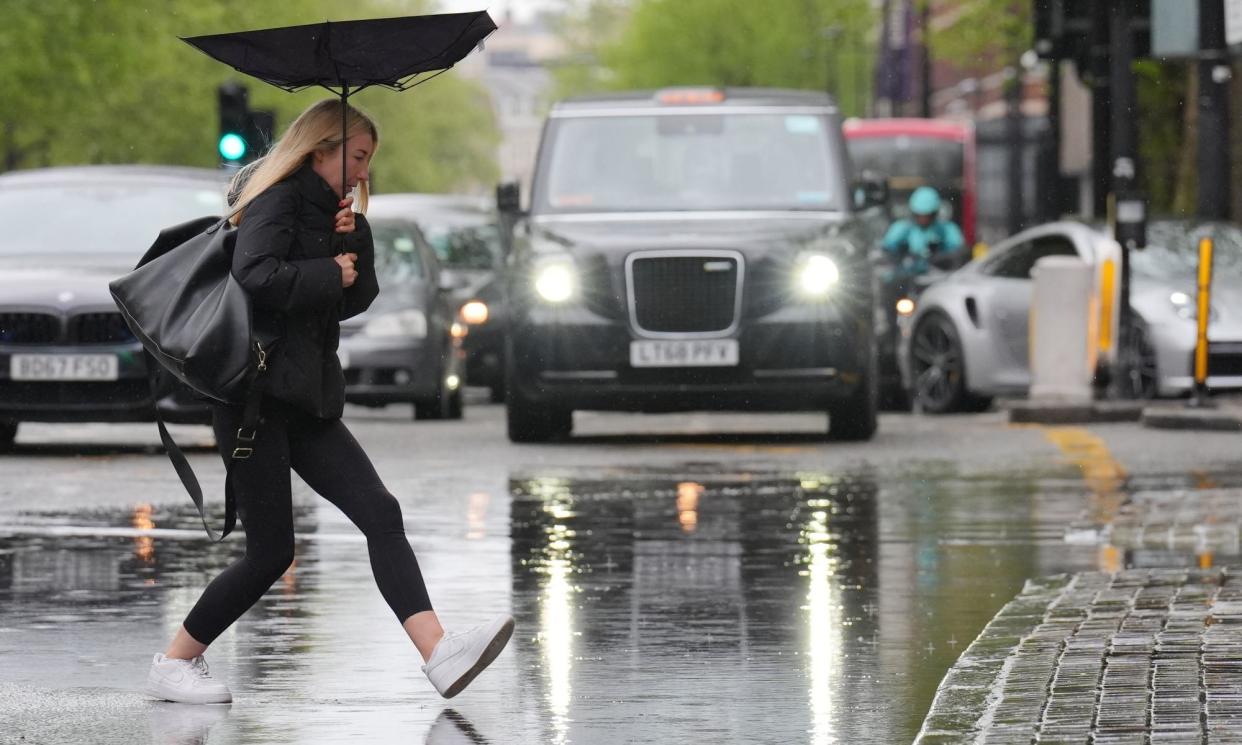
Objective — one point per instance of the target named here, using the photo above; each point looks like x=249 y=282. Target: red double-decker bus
x=911 y=153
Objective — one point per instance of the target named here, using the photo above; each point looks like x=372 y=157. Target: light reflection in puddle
x=688 y=604
x=688 y=495
x=556 y=622
x=476 y=515
x=724 y=588
x=144 y=545
x=823 y=624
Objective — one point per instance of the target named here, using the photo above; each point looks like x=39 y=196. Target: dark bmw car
x=691 y=249
x=463 y=234
x=65 y=353
x=406 y=348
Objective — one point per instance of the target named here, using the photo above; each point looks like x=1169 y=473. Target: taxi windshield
x=698 y=161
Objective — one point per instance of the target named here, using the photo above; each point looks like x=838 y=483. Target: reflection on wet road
x=689 y=603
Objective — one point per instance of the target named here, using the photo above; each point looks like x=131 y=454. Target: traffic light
x=234 y=144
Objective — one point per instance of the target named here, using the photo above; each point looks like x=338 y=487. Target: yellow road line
x=1100 y=470
x=1104 y=476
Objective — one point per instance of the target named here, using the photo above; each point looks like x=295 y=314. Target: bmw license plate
x=684 y=353
x=62 y=367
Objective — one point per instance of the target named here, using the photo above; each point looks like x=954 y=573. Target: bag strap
x=243 y=448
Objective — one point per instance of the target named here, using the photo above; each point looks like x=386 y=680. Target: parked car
x=970 y=333
x=406 y=347
x=463 y=233
x=66 y=354
x=690 y=249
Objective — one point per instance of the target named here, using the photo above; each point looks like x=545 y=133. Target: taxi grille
x=29 y=328
x=684 y=293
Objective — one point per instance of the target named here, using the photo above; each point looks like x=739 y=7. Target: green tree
x=1162 y=96
x=811 y=44
x=111 y=82
x=984 y=33
x=585 y=27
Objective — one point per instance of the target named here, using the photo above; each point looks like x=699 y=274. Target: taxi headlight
x=817 y=274
x=410 y=323
x=555 y=282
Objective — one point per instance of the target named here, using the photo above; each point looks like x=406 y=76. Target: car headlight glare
x=1186 y=307
x=905 y=306
x=408 y=323
x=817 y=275
x=555 y=282
x=475 y=312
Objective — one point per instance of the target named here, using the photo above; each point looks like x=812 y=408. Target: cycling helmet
x=925 y=201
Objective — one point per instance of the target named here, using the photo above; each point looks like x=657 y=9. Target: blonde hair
x=318 y=129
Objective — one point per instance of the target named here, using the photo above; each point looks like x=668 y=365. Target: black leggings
x=331 y=461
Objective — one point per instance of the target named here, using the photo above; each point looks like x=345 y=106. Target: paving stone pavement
x=1140 y=656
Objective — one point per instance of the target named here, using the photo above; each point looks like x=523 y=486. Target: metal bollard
x=1063 y=331
x=1203 y=304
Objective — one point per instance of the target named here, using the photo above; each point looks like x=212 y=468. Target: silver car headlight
x=1186 y=307
x=817 y=274
x=407 y=323
x=556 y=281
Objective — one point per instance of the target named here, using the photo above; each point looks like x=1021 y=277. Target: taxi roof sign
x=689 y=96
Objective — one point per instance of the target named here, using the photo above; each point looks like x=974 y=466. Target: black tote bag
x=188 y=311
x=193 y=319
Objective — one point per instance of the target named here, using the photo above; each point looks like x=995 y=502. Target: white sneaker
x=185 y=681
x=458 y=658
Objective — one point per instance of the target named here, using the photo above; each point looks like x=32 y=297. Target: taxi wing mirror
x=508 y=212
x=509 y=198
x=870 y=190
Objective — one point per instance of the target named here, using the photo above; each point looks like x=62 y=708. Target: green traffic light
x=232 y=146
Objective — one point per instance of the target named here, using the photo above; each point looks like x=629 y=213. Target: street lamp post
x=1212 y=163
x=1128 y=208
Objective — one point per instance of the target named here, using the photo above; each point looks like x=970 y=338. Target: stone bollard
x=1062 y=331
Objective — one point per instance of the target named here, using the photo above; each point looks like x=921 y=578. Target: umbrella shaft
x=344 y=133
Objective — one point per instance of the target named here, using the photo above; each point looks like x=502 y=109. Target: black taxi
x=690 y=249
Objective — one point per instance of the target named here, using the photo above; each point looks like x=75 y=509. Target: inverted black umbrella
x=348 y=56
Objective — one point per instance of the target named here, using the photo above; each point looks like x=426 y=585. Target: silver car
x=462 y=231
x=406 y=348
x=967 y=341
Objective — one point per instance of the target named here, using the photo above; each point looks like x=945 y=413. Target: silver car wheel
x=936 y=361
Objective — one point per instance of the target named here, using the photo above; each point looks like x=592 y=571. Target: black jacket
x=284 y=257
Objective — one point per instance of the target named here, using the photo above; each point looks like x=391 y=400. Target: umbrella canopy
x=348 y=56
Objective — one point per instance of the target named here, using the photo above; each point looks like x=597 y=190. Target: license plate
x=63 y=367
x=696 y=353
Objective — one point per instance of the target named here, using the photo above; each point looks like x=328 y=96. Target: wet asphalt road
x=705 y=578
